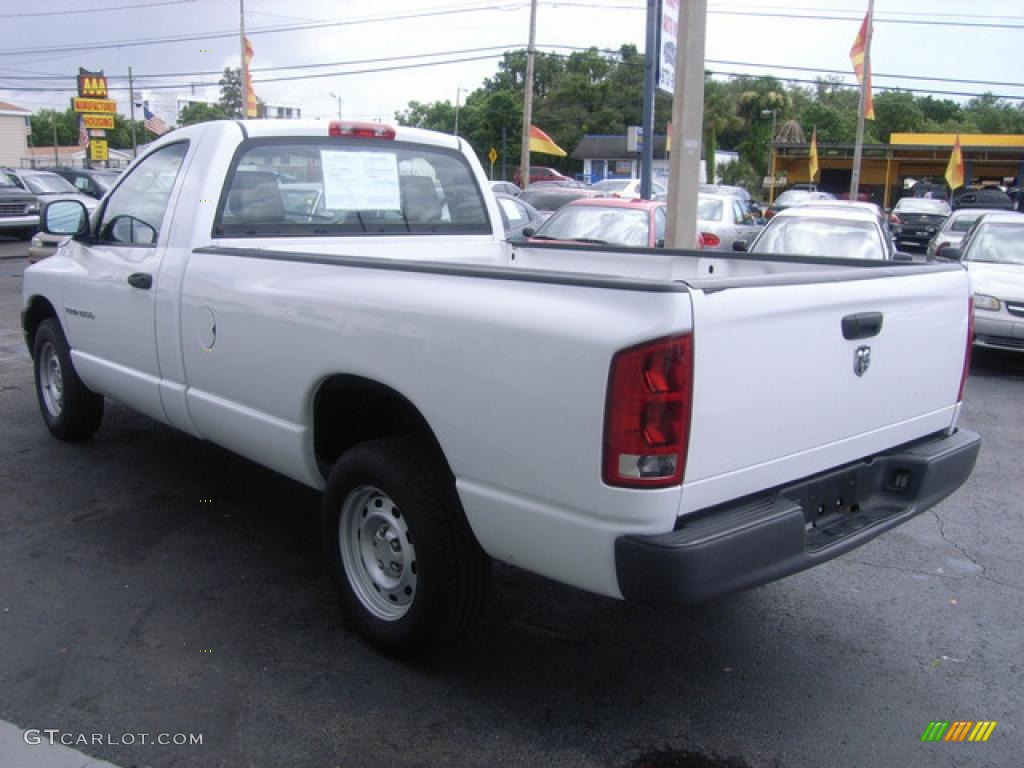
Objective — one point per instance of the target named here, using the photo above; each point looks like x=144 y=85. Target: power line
x=93 y=9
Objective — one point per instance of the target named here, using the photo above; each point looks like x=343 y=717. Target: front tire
x=410 y=574
x=71 y=411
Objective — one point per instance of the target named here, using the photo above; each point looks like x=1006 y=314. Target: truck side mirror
x=65 y=217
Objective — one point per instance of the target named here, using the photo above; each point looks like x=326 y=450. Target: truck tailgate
x=780 y=392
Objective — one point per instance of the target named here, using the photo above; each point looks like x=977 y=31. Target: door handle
x=863 y=325
x=142 y=280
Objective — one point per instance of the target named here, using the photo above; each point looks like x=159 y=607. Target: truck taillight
x=353 y=129
x=710 y=238
x=970 y=346
x=647 y=417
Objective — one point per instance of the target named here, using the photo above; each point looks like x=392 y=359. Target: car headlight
x=37 y=242
x=32 y=210
x=981 y=301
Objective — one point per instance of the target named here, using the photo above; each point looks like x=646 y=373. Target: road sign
x=98 y=149
x=104 y=106
x=493 y=155
x=99 y=121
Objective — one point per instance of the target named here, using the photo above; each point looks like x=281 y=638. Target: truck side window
x=135 y=211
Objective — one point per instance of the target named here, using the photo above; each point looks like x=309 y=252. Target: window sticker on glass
x=360 y=181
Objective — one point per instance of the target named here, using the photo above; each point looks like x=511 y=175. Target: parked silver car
x=952 y=232
x=839 y=232
x=724 y=219
x=993 y=252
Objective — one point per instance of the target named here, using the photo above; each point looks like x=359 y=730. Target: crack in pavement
x=967 y=556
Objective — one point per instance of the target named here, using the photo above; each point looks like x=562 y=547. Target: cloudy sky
x=375 y=53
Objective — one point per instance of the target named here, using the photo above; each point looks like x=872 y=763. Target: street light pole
x=771 y=184
x=339 y=103
x=458 y=94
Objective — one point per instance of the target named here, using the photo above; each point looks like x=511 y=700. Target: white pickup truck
x=336 y=301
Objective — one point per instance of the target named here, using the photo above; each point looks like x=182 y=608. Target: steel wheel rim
x=51 y=380
x=377 y=553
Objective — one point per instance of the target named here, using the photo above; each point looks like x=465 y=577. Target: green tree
x=197 y=112
x=897 y=112
x=43 y=123
x=231 y=92
x=121 y=136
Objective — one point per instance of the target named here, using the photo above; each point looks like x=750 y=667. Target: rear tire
x=71 y=411
x=409 y=572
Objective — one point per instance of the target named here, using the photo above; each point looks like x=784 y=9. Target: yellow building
x=988 y=159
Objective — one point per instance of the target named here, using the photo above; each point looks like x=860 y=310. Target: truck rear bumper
x=762 y=538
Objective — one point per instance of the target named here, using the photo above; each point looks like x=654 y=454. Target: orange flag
x=541 y=142
x=857 y=52
x=252 y=107
x=955 y=168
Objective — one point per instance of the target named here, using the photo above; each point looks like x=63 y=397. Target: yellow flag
x=955 y=168
x=812 y=169
x=541 y=142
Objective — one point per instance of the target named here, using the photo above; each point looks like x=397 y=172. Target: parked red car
x=540 y=173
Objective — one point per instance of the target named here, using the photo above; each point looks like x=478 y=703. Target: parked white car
x=724 y=219
x=627 y=188
x=830 y=229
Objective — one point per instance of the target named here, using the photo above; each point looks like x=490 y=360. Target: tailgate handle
x=863 y=325
x=143 y=281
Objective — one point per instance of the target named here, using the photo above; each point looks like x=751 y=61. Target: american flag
x=83 y=133
x=153 y=123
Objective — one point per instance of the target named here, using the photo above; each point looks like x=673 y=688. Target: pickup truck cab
x=337 y=302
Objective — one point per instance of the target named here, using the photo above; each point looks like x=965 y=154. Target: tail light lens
x=647 y=418
x=352 y=129
x=894 y=219
x=967 y=352
x=710 y=238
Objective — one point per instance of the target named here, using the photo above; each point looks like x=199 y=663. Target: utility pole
x=131 y=112
x=458 y=94
x=243 y=68
x=56 y=158
x=650 y=66
x=858 y=146
x=771 y=187
x=524 y=159
x=504 y=153
x=687 y=120
x=339 y=103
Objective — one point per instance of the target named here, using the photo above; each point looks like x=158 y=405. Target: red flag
x=857 y=54
x=541 y=142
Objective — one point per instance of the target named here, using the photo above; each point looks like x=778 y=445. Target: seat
x=420 y=202
x=255 y=198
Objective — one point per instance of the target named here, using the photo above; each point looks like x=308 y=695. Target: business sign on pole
x=634 y=138
x=98 y=149
x=669 y=34
x=92 y=85
x=99 y=121
x=103 y=106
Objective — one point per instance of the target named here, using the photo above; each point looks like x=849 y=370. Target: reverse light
x=353 y=129
x=647 y=416
x=981 y=301
x=710 y=238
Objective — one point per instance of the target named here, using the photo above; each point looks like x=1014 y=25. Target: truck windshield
x=326 y=187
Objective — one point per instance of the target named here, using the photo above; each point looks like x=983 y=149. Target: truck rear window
x=316 y=188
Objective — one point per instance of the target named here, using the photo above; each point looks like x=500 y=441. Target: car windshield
x=6 y=182
x=48 y=184
x=792 y=196
x=106 y=180
x=998 y=244
x=598 y=224
x=709 y=209
x=922 y=205
x=612 y=185
x=812 y=236
x=963 y=222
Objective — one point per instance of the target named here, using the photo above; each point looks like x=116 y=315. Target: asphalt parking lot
x=152 y=583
